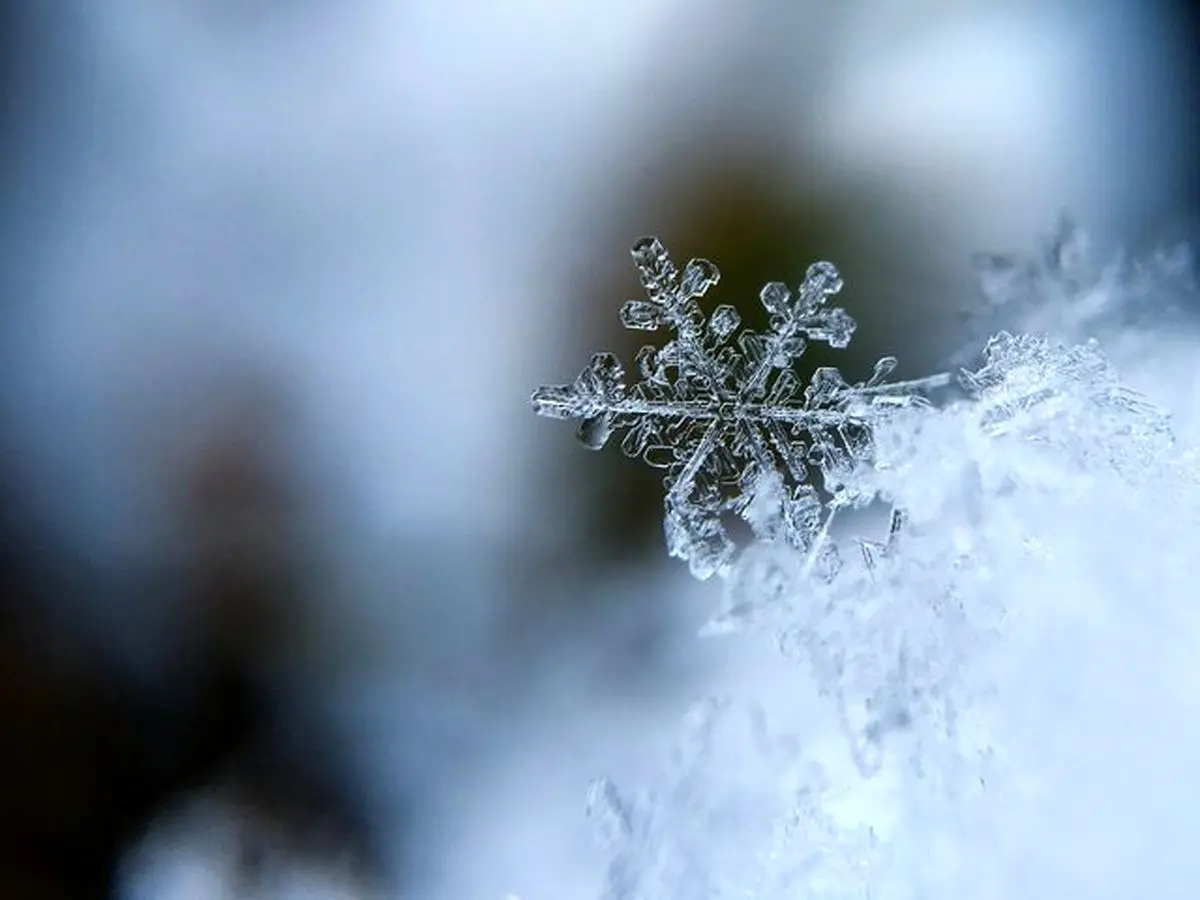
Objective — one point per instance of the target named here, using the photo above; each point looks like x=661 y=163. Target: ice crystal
x=891 y=636
x=938 y=665
x=737 y=430
x=906 y=646
x=1071 y=289
x=731 y=776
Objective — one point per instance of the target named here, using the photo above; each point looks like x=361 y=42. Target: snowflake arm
x=735 y=428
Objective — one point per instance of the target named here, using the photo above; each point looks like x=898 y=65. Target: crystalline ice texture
x=736 y=430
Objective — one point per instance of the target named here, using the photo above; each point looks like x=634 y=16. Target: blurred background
x=297 y=593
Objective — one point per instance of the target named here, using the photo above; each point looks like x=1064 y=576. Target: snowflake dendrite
x=725 y=413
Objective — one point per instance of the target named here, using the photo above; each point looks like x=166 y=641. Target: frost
x=1047 y=513
x=904 y=644
x=1071 y=289
x=734 y=426
x=773 y=800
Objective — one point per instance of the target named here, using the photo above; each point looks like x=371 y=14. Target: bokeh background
x=297 y=592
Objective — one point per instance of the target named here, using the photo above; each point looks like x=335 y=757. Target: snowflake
x=736 y=429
